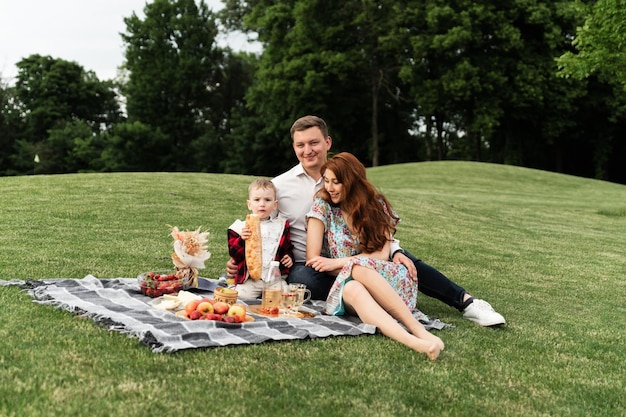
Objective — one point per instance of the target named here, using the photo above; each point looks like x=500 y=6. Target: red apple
x=238 y=311
x=229 y=319
x=191 y=306
x=213 y=316
x=195 y=315
x=205 y=308
x=220 y=307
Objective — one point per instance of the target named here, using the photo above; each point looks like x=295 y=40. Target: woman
x=349 y=229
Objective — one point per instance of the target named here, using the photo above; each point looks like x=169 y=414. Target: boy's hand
x=287 y=261
x=231 y=268
x=245 y=233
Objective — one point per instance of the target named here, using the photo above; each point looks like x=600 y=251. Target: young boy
x=276 y=240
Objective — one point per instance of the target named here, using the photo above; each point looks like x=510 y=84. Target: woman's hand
x=401 y=258
x=322 y=264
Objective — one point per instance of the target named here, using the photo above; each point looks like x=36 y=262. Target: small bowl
x=226 y=295
x=155 y=284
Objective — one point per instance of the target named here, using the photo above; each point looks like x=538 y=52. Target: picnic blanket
x=118 y=305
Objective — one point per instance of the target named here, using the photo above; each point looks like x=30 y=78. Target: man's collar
x=299 y=170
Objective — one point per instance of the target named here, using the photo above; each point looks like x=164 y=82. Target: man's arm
x=398 y=256
x=394 y=246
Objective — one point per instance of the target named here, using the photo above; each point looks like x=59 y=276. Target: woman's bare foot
x=430 y=347
x=434 y=351
x=421 y=333
x=436 y=340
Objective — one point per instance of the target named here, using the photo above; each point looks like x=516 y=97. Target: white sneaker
x=482 y=313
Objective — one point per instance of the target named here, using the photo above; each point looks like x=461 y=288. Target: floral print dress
x=339 y=242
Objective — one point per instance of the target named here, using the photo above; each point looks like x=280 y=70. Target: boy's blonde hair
x=262 y=184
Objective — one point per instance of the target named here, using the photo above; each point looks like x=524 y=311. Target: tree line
x=539 y=84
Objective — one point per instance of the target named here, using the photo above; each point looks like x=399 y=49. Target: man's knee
x=301 y=274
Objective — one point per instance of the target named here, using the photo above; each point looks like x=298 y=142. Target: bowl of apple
x=158 y=283
x=226 y=295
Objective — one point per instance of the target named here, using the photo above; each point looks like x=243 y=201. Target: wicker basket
x=229 y=298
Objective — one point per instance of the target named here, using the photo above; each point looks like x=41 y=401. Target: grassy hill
x=547 y=250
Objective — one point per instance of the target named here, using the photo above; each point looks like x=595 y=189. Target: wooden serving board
x=256 y=309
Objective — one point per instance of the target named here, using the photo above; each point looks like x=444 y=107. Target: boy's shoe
x=481 y=312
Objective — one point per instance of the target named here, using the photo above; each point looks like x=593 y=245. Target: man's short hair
x=307 y=122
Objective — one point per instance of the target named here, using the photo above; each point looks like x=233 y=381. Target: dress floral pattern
x=339 y=242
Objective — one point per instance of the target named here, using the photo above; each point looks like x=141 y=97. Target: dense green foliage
x=547 y=250
x=397 y=81
x=172 y=65
x=600 y=43
x=55 y=109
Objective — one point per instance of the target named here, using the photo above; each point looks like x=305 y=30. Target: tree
x=11 y=126
x=538 y=126
x=600 y=43
x=338 y=65
x=236 y=76
x=598 y=56
x=134 y=146
x=173 y=69
x=54 y=91
x=57 y=95
x=483 y=78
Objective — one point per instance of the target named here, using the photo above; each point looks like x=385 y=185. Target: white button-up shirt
x=295 y=191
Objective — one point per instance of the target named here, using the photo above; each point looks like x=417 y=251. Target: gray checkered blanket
x=118 y=305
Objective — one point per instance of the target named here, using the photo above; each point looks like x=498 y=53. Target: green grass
x=547 y=250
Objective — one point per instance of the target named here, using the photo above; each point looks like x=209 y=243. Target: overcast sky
x=84 y=31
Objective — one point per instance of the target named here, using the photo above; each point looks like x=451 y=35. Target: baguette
x=254 y=249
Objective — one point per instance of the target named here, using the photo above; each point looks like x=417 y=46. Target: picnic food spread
x=155 y=284
x=209 y=309
x=190 y=253
x=194 y=307
x=258 y=309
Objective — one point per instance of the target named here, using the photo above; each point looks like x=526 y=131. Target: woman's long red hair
x=362 y=201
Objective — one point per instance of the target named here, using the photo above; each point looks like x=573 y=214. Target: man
x=296 y=188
